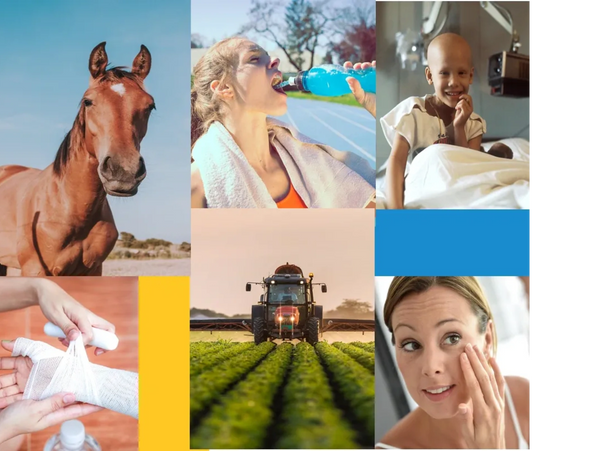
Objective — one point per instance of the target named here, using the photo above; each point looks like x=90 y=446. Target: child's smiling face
x=450 y=69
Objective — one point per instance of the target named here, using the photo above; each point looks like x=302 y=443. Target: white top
x=522 y=443
x=411 y=120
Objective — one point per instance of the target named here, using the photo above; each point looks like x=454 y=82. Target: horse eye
x=152 y=107
x=87 y=102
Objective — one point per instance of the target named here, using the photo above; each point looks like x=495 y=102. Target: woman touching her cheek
x=445 y=343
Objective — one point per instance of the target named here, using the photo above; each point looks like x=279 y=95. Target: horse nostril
x=105 y=168
x=141 y=169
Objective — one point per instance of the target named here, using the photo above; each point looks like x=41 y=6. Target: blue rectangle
x=452 y=243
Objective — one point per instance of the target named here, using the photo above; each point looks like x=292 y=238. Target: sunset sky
x=235 y=246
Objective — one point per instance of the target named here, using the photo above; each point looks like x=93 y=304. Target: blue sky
x=45 y=48
x=222 y=19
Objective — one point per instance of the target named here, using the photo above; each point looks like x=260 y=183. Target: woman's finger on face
x=488 y=369
x=498 y=376
x=472 y=383
x=482 y=376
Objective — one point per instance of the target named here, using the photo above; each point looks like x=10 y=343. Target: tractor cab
x=287 y=309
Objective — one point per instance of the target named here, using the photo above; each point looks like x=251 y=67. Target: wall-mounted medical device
x=508 y=74
x=508 y=71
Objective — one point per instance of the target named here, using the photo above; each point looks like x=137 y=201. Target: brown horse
x=57 y=221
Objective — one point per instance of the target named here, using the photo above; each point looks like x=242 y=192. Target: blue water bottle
x=330 y=80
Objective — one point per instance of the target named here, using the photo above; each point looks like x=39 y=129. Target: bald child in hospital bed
x=446 y=117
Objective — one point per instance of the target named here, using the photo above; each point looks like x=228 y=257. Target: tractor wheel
x=259 y=329
x=312 y=331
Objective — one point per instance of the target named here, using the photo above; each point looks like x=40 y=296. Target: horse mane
x=75 y=136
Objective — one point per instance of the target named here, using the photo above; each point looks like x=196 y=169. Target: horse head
x=115 y=111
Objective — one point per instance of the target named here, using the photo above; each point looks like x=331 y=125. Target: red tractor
x=287 y=309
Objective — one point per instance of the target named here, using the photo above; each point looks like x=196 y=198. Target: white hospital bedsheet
x=447 y=176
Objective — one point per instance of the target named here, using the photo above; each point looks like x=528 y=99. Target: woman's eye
x=409 y=346
x=452 y=339
x=254 y=59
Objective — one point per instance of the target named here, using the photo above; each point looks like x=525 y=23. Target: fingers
x=101 y=323
x=484 y=379
x=358 y=66
x=489 y=371
x=9 y=345
x=70 y=330
x=68 y=413
x=8 y=391
x=46 y=407
x=356 y=89
x=8 y=363
x=471 y=381
x=498 y=376
x=6 y=380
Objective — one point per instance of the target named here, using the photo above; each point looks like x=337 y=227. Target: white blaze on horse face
x=119 y=89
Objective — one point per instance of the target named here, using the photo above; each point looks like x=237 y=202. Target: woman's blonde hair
x=467 y=287
x=218 y=63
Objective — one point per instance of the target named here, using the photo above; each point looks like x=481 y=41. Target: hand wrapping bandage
x=55 y=371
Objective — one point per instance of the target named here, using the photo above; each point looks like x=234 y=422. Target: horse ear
x=98 y=60
x=142 y=63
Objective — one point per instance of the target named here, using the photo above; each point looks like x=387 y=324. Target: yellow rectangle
x=164 y=306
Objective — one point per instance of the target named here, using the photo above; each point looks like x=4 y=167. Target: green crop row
x=363 y=357
x=310 y=419
x=370 y=346
x=355 y=383
x=206 y=387
x=200 y=349
x=242 y=417
x=206 y=362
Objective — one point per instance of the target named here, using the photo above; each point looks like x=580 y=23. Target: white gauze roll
x=55 y=371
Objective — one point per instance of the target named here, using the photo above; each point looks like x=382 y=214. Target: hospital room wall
x=394 y=83
x=505 y=117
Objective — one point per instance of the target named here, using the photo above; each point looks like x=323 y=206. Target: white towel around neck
x=322 y=176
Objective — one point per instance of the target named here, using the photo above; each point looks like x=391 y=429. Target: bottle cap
x=72 y=434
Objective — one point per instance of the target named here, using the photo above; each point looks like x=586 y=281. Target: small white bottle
x=72 y=437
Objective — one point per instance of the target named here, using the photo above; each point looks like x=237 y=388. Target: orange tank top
x=292 y=200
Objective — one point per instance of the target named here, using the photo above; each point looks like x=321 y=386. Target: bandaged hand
x=19 y=416
x=54 y=371
x=68 y=314
x=366 y=99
